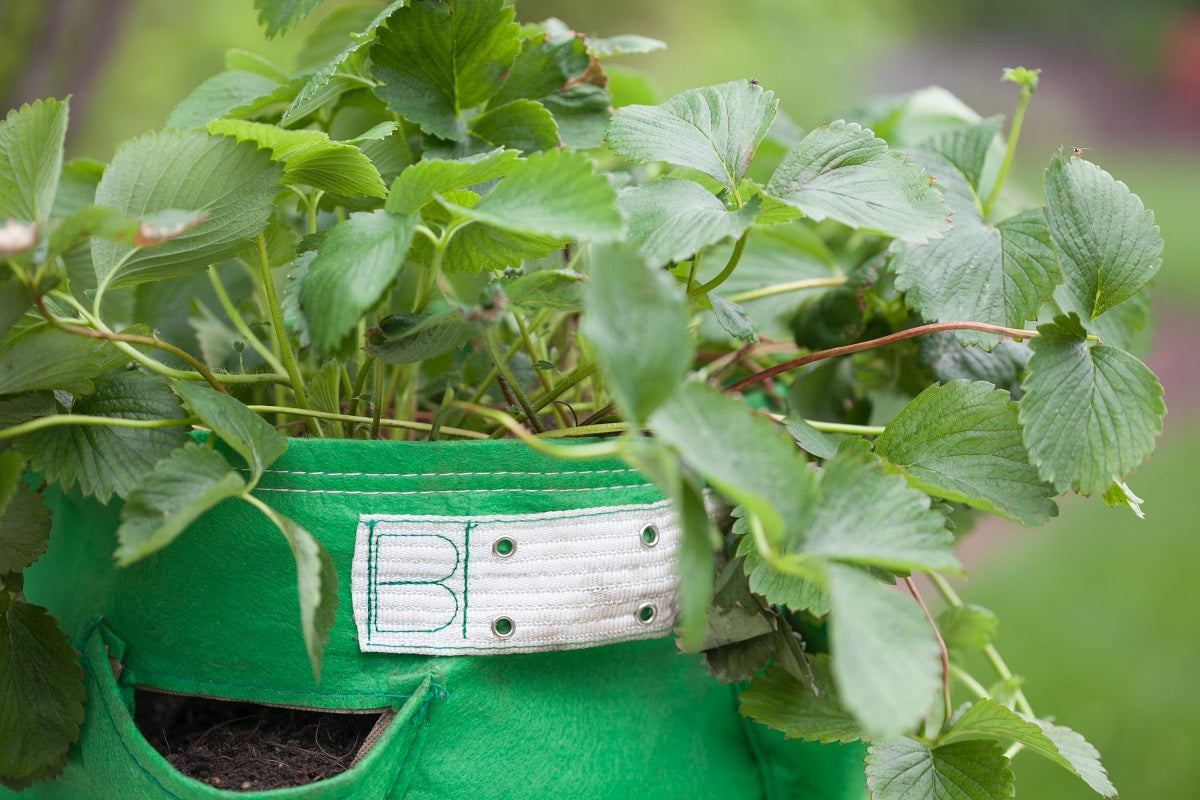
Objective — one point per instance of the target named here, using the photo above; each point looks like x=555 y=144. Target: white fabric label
x=477 y=585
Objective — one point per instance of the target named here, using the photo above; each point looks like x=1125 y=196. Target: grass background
x=1098 y=609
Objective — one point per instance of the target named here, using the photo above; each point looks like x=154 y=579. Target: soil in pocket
x=250 y=747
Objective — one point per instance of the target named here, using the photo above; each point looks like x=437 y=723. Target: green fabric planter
x=216 y=614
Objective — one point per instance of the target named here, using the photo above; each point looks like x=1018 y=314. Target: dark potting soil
x=249 y=747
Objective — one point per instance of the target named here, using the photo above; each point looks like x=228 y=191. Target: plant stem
x=535 y=356
x=989 y=651
x=501 y=362
x=1013 y=134
x=281 y=337
x=103 y=334
x=839 y=427
x=730 y=265
x=975 y=686
x=945 y=654
x=238 y=322
x=577 y=452
x=383 y=423
x=891 y=338
x=314 y=203
x=57 y=420
x=377 y=400
x=784 y=288
x=587 y=430
x=578 y=376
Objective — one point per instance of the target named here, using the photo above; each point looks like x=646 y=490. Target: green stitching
x=466 y=577
x=372 y=585
x=458 y=558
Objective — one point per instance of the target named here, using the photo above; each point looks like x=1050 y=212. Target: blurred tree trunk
x=52 y=48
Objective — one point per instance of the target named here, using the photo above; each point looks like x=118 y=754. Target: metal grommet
x=503 y=627
x=504 y=547
x=649 y=536
x=646 y=613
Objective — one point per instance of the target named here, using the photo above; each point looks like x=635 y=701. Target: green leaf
x=24 y=407
x=1090 y=412
x=637 y=321
x=672 y=219
x=317 y=584
x=697 y=561
x=103 y=459
x=841 y=171
x=1063 y=746
x=24 y=521
x=783 y=588
x=42 y=357
x=811 y=440
x=905 y=769
x=237 y=59
x=949 y=360
x=313 y=95
x=581 y=113
x=1107 y=241
x=248 y=434
x=732 y=318
x=997 y=274
x=280 y=16
x=967 y=146
x=41 y=696
x=479 y=248
x=783 y=702
x=967 y=627
x=865 y=516
x=420 y=182
x=181 y=488
x=233 y=182
x=623 y=44
x=115 y=226
x=360 y=257
x=309 y=157
x=31 y=157
x=521 y=125
x=542 y=68
x=218 y=96
x=548 y=288
x=961 y=441
x=412 y=338
x=12 y=467
x=885 y=658
x=738 y=453
x=15 y=300
x=436 y=59
x=1120 y=495
x=715 y=130
x=554 y=194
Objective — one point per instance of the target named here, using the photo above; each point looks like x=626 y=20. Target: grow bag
x=511 y=613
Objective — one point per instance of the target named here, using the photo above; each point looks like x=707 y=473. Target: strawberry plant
x=439 y=228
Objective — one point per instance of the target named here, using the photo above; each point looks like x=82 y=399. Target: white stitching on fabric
x=440 y=474
x=453 y=491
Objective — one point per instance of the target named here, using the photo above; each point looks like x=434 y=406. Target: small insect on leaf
x=166 y=225
x=1077 y=152
x=16 y=237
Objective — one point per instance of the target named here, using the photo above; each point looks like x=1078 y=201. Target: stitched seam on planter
x=647 y=633
x=442 y=474
x=452 y=519
x=451 y=491
x=106 y=701
x=144 y=675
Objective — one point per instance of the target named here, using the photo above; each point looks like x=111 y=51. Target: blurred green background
x=1098 y=609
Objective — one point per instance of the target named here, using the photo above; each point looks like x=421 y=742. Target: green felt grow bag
x=616 y=714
